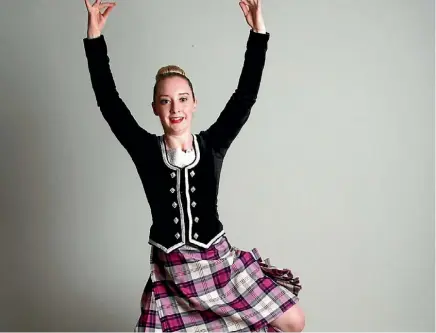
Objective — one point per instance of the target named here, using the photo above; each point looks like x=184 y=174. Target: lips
x=176 y=120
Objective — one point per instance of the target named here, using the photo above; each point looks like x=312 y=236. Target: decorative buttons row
x=193 y=189
x=178 y=236
x=193 y=204
x=176 y=220
x=173 y=174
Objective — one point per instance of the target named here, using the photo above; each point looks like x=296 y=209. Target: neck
x=179 y=141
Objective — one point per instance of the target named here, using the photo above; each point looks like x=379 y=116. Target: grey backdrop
x=332 y=176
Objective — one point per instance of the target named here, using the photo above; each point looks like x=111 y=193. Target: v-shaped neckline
x=165 y=149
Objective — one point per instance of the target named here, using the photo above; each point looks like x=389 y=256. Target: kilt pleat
x=221 y=289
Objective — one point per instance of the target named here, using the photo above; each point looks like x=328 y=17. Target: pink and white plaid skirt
x=221 y=289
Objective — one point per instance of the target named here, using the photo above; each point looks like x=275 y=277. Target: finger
x=107 y=11
x=106 y=4
x=244 y=7
x=87 y=4
x=246 y=3
x=254 y=3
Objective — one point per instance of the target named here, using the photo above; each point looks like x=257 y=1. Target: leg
x=293 y=320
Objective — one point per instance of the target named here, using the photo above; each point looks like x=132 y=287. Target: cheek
x=190 y=110
x=162 y=112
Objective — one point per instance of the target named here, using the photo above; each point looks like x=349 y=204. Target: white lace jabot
x=180 y=158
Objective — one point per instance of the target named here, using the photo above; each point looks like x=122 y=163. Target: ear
x=195 y=105
x=154 y=108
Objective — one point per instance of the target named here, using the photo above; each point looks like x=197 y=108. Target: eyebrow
x=184 y=93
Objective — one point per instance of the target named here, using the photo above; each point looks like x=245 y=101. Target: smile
x=176 y=120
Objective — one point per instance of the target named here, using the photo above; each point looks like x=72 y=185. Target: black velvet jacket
x=183 y=201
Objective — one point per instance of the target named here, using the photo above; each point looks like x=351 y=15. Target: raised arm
x=237 y=110
x=113 y=109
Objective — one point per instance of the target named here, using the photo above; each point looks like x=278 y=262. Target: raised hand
x=252 y=10
x=97 y=18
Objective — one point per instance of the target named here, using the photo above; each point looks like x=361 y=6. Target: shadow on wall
x=55 y=261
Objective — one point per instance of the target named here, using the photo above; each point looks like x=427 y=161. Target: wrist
x=260 y=31
x=93 y=34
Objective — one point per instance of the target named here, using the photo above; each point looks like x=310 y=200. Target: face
x=174 y=105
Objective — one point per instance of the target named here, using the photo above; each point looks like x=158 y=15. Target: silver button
x=177 y=235
x=172 y=190
x=192 y=173
x=176 y=220
x=174 y=205
x=195 y=235
x=196 y=219
x=193 y=189
x=194 y=204
x=173 y=174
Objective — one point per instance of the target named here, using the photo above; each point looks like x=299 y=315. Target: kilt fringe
x=282 y=276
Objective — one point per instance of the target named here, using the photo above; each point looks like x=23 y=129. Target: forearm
x=101 y=76
x=237 y=110
x=254 y=63
x=111 y=105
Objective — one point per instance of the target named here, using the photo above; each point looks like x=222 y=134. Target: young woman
x=199 y=282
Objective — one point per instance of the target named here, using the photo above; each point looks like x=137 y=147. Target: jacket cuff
x=258 y=39
x=95 y=46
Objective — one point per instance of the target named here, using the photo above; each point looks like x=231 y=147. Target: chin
x=177 y=128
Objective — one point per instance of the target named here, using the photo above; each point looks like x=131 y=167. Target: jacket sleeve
x=235 y=114
x=112 y=107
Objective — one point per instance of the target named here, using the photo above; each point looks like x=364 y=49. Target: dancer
x=199 y=281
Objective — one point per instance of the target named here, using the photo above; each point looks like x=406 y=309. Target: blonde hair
x=168 y=71
x=171 y=71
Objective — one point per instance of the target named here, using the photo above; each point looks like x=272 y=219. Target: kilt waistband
x=219 y=250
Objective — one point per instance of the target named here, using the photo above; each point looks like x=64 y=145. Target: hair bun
x=169 y=70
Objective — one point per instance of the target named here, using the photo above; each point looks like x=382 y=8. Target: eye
x=164 y=101
x=183 y=99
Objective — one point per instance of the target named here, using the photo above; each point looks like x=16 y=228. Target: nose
x=174 y=108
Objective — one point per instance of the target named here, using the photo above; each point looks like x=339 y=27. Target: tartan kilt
x=221 y=289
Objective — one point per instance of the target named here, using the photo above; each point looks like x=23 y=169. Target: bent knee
x=295 y=323
x=298 y=323
x=292 y=320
